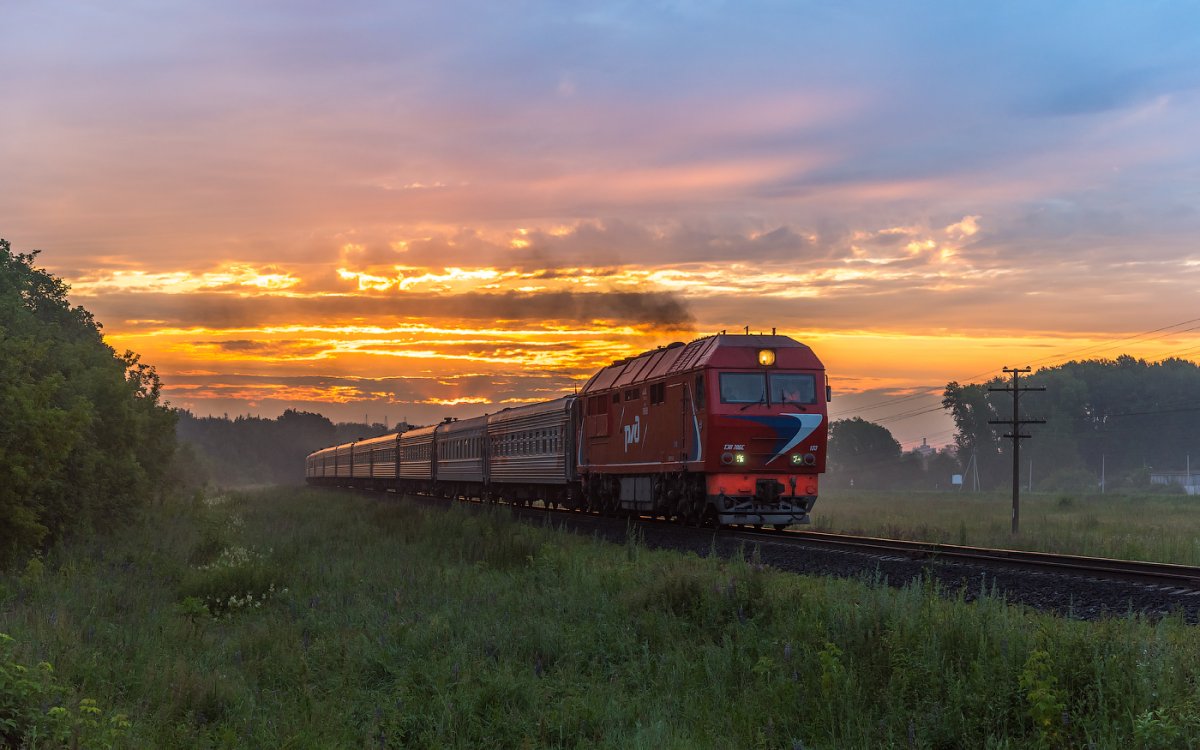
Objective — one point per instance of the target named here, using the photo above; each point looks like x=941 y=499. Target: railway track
x=1080 y=566
x=1073 y=586
x=1136 y=571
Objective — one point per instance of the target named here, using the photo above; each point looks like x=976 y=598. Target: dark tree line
x=253 y=450
x=83 y=437
x=1118 y=418
x=1123 y=417
x=864 y=455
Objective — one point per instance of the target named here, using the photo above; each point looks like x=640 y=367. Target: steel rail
x=1182 y=576
x=1099 y=567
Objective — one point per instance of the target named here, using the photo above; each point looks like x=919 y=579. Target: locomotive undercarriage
x=682 y=496
x=678 y=496
x=759 y=500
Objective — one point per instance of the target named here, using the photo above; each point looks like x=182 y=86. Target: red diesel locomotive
x=729 y=429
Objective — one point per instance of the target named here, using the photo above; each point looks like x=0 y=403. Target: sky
x=410 y=210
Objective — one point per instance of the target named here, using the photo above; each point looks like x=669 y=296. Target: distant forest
x=1115 y=421
x=253 y=450
x=1122 y=417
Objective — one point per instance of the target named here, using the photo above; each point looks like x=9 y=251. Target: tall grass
x=1164 y=528
x=372 y=623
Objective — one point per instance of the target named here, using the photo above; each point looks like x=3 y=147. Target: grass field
x=306 y=619
x=1157 y=527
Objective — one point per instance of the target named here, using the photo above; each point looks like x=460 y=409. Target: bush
x=26 y=722
x=85 y=438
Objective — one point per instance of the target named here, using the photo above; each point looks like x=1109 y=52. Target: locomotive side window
x=743 y=387
x=700 y=393
x=793 y=388
x=632 y=394
x=658 y=393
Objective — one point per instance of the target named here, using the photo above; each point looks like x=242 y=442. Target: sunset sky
x=409 y=209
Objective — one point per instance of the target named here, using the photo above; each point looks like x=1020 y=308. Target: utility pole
x=1015 y=425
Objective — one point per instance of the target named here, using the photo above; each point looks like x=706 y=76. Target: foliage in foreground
x=312 y=619
x=25 y=720
x=83 y=436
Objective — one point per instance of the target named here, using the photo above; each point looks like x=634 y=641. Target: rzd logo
x=633 y=432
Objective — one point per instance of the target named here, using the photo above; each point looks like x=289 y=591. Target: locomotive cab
x=769 y=434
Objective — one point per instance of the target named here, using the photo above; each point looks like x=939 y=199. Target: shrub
x=25 y=722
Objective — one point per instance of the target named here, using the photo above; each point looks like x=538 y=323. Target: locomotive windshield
x=743 y=388
x=752 y=388
x=793 y=388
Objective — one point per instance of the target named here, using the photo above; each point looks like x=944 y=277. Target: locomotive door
x=683 y=440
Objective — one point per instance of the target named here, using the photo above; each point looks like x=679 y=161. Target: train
x=729 y=429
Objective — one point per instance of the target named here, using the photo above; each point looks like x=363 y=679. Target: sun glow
x=235 y=277
x=467 y=336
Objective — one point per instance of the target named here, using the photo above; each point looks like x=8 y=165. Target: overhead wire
x=1165 y=331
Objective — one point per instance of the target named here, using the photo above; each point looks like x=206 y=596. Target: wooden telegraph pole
x=1015 y=425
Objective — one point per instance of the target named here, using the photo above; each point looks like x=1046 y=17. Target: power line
x=1015 y=425
x=908 y=414
x=1111 y=343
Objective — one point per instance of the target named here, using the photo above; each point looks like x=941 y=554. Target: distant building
x=1190 y=481
x=925 y=451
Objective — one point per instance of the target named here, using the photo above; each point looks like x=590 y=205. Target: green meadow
x=311 y=619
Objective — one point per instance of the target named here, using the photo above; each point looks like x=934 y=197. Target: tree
x=254 y=450
x=1121 y=416
x=84 y=436
x=862 y=454
x=941 y=467
x=971 y=407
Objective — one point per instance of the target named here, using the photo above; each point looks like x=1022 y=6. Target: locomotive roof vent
x=674 y=344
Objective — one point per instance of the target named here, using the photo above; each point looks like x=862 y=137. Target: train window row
x=528 y=443
x=384 y=456
x=460 y=448
x=419 y=452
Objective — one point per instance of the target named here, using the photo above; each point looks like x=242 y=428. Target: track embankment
x=1070 y=585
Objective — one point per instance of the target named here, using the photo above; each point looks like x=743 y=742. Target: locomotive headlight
x=727 y=458
x=739 y=458
x=766 y=357
x=797 y=459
